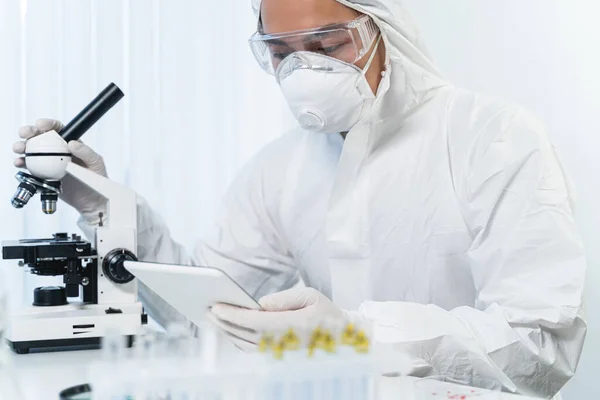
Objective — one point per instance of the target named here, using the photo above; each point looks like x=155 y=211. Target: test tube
x=9 y=384
x=3 y=313
x=113 y=346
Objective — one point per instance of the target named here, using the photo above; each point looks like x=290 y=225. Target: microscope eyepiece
x=92 y=113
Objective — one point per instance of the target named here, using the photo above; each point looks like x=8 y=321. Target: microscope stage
x=61 y=246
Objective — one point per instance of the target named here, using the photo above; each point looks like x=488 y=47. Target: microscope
x=99 y=296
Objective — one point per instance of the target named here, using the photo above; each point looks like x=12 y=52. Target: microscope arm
x=116 y=241
x=122 y=206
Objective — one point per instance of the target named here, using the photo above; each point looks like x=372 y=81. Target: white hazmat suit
x=444 y=217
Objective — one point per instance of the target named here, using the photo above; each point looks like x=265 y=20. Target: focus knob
x=114 y=266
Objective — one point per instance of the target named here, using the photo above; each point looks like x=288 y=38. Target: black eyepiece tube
x=92 y=113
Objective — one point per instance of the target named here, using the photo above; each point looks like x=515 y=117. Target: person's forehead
x=279 y=16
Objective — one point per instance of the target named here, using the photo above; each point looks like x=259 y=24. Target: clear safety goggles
x=347 y=42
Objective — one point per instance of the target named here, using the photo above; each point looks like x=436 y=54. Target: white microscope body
x=109 y=304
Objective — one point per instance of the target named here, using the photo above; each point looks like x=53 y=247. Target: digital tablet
x=191 y=290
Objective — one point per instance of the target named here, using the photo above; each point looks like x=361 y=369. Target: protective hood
x=411 y=75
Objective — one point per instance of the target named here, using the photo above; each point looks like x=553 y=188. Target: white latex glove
x=301 y=309
x=85 y=200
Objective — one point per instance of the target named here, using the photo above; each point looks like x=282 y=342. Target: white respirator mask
x=325 y=94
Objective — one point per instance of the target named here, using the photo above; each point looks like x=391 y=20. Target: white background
x=197 y=107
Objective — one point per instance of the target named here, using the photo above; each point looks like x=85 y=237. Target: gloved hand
x=85 y=200
x=301 y=309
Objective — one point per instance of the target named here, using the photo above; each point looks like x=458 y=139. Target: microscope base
x=72 y=326
x=61 y=344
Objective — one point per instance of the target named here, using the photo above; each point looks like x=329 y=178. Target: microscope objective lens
x=21 y=197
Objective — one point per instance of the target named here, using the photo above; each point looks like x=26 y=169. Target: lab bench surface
x=44 y=375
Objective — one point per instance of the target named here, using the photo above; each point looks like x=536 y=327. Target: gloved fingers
x=230 y=329
x=243 y=345
x=19 y=162
x=87 y=156
x=27 y=132
x=260 y=321
x=19 y=147
x=233 y=315
x=47 y=124
x=289 y=300
x=83 y=152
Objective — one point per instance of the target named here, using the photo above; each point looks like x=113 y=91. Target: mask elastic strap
x=368 y=65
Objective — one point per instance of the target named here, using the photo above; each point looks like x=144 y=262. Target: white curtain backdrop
x=197 y=105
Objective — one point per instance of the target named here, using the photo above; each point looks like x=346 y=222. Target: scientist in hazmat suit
x=439 y=217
